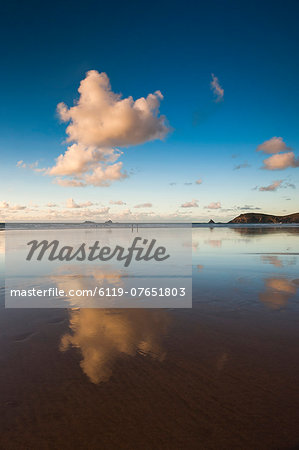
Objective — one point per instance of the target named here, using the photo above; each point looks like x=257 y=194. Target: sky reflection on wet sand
x=223 y=374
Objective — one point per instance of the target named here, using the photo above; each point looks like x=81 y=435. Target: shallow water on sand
x=223 y=374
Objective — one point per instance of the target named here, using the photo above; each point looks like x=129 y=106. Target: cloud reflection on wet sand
x=102 y=336
x=278 y=291
x=278 y=262
x=216 y=243
x=84 y=280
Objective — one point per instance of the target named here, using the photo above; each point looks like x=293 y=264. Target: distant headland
x=265 y=218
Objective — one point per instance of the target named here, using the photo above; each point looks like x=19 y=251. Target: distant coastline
x=242 y=219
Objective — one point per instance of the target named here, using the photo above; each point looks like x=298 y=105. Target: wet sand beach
x=222 y=375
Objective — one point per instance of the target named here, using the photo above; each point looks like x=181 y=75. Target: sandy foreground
x=148 y=379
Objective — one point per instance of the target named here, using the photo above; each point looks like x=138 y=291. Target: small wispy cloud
x=144 y=205
x=69 y=182
x=8 y=207
x=189 y=183
x=218 y=91
x=272 y=187
x=102 y=211
x=290 y=185
x=213 y=205
x=192 y=204
x=277 y=184
x=117 y=202
x=70 y=203
x=247 y=208
x=242 y=166
x=33 y=166
x=273 y=145
x=281 y=161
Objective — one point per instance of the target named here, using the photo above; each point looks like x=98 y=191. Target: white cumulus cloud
x=99 y=122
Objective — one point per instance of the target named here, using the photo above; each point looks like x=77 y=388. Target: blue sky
x=144 y=47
